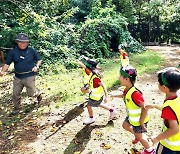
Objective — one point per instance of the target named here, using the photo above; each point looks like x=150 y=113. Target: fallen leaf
x=99 y=133
x=76 y=141
x=105 y=146
x=65 y=133
x=30 y=121
x=133 y=151
x=10 y=137
x=77 y=152
x=52 y=129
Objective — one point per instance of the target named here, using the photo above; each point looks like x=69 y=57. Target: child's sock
x=111 y=110
x=91 y=117
x=150 y=149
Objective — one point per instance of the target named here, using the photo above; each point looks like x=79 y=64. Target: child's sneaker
x=112 y=114
x=135 y=141
x=89 y=121
x=146 y=152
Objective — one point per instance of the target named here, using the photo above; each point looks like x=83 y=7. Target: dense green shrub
x=59 y=34
x=103 y=31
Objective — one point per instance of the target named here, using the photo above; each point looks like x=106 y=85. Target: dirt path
x=62 y=131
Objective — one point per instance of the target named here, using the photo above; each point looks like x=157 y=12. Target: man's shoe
x=39 y=98
x=14 y=112
x=112 y=115
x=89 y=121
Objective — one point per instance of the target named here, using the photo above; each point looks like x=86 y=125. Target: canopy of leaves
x=158 y=21
x=61 y=30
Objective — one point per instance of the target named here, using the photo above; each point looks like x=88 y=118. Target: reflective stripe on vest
x=133 y=111
x=124 y=62
x=96 y=93
x=173 y=142
x=86 y=77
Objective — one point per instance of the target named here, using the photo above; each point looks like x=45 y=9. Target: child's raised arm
x=81 y=64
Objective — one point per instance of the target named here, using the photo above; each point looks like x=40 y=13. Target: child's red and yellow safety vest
x=124 y=61
x=96 y=93
x=133 y=111
x=86 y=77
x=173 y=142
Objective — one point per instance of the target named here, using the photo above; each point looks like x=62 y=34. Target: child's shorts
x=95 y=103
x=136 y=129
x=163 y=150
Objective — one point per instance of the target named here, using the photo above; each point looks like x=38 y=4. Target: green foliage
x=84 y=9
x=53 y=40
x=61 y=30
x=126 y=8
x=103 y=31
x=158 y=21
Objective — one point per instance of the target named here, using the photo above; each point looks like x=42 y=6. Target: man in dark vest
x=26 y=64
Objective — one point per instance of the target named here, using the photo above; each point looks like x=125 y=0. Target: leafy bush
x=56 y=36
x=103 y=31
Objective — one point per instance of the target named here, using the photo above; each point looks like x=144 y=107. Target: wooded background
x=61 y=30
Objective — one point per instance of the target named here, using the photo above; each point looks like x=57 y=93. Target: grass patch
x=147 y=62
x=111 y=72
x=63 y=87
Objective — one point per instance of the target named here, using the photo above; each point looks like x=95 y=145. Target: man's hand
x=35 y=69
x=1 y=73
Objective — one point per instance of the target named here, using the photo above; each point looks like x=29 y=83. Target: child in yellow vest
x=169 y=139
x=136 y=120
x=123 y=56
x=97 y=92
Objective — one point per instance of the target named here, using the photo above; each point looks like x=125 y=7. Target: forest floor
x=61 y=131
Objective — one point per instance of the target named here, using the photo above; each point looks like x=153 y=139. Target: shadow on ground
x=79 y=142
x=72 y=114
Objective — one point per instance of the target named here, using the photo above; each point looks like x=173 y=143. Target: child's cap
x=91 y=64
x=83 y=58
x=128 y=71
